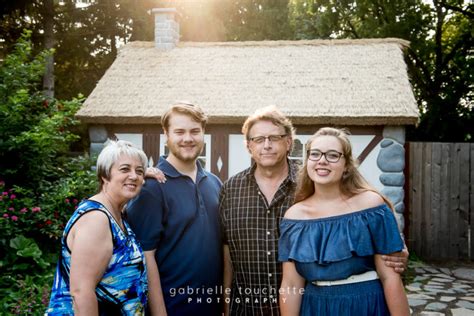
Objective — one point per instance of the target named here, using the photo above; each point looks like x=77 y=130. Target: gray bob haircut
x=111 y=153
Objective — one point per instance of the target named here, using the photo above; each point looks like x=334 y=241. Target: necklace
x=112 y=210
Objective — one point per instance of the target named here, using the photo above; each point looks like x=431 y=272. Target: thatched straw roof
x=350 y=82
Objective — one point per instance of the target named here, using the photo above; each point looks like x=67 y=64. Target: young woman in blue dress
x=101 y=269
x=333 y=238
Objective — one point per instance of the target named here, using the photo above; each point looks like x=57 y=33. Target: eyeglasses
x=330 y=155
x=271 y=138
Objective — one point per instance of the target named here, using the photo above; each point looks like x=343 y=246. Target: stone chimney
x=166 y=28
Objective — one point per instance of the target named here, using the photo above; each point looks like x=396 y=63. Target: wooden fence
x=440 y=200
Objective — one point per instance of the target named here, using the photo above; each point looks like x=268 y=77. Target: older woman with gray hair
x=101 y=268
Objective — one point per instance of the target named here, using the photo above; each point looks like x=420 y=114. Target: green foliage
x=22 y=215
x=20 y=72
x=40 y=183
x=87 y=40
x=27 y=248
x=358 y=19
x=442 y=69
x=26 y=269
x=60 y=199
x=247 y=20
x=439 y=58
x=34 y=130
x=25 y=295
x=18 y=216
x=29 y=236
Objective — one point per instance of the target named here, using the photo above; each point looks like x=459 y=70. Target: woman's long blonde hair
x=352 y=181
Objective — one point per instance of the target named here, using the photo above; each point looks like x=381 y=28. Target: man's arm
x=393 y=289
x=155 y=173
x=397 y=260
x=145 y=216
x=228 y=270
x=155 y=293
x=228 y=275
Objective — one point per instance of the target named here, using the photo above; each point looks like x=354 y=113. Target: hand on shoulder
x=155 y=173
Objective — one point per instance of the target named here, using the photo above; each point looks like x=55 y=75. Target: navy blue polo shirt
x=180 y=219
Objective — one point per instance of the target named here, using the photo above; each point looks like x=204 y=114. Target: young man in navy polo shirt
x=177 y=223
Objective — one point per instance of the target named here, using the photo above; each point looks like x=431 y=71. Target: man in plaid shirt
x=251 y=205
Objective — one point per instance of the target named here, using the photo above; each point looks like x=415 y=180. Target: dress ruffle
x=336 y=238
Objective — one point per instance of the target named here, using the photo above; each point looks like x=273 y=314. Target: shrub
x=25 y=295
x=26 y=269
x=40 y=182
x=30 y=229
x=35 y=131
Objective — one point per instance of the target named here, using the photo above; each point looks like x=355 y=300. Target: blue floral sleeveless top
x=123 y=288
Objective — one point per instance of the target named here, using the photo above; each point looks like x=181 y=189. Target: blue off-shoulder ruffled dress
x=334 y=248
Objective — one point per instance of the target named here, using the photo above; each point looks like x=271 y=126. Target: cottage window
x=298 y=153
x=135 y=139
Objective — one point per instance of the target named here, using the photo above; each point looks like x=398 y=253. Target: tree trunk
x=49 y=42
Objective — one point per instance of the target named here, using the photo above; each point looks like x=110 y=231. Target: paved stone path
x=440 y=290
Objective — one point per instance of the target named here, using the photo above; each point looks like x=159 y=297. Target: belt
x=366 y=276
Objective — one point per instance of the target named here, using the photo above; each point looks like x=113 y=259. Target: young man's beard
x=174 y=149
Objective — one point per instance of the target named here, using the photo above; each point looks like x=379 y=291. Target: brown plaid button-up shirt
x=250 y=228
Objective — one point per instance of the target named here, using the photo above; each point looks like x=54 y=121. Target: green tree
x=40 y=184
x=34 y=130
x=85 y=39
x=19 y=15
x=247 y=20
x=439 y=59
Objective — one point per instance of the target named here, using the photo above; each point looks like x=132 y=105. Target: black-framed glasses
x=330 y=155
x=271 y=138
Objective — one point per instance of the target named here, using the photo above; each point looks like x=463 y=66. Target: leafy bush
x=25 y=295
x=35 y=131
x=43 y=217
x=59 y=199
x=29 y=236
x=40 y=182
x=26 y=269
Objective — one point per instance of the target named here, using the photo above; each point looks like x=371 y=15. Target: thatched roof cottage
x=359 y=84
